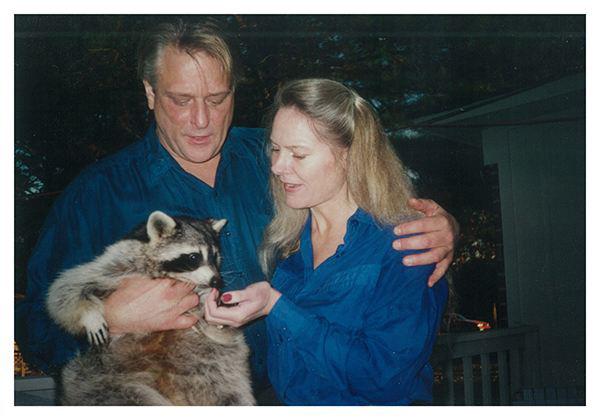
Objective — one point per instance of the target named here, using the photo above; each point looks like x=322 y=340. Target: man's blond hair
x=190 y=38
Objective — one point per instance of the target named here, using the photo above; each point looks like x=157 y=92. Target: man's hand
x=251 y=303
x=142 y=305
x=438 y=231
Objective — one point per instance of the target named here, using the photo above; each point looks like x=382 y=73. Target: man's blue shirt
x=359 y=329
x=116 y=194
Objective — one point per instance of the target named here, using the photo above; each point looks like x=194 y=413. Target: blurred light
x=409 y=133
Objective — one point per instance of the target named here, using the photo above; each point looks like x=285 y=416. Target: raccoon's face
x=185 y=249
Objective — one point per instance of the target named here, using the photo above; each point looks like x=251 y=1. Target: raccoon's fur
x=202 y=365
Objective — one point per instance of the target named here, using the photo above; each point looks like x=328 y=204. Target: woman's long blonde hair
x=376 y=178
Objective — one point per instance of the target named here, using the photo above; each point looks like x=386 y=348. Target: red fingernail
x=226 y=298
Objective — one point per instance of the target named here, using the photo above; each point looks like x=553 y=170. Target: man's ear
x=149 y=94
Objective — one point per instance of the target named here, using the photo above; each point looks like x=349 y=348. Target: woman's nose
x=279 y=163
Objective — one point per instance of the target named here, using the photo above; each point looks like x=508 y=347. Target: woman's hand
x=250 y=303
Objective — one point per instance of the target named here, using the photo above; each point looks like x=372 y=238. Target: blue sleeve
x=380 y=361
x=69 y=237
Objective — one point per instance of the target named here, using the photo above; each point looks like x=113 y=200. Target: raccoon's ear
x=217 y=225
x=159 y=225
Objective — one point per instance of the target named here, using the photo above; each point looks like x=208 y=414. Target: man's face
x=193 y=106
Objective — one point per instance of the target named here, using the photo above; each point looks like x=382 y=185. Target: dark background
x=77 y=99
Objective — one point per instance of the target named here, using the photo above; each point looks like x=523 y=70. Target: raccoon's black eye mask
x=183 y=263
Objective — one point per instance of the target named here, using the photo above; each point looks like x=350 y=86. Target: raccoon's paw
x=96 y=328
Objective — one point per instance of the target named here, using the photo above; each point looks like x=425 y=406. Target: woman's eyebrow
x=289 y=147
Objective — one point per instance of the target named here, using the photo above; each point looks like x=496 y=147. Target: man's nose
x=200 y=114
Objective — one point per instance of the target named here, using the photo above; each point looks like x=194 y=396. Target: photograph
x=300 y=209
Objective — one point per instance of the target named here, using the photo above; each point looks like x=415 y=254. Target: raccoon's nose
x=216 y=281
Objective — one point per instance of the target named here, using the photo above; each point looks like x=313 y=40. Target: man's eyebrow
x=224 y=93
x=184 y=95
x=187 y=95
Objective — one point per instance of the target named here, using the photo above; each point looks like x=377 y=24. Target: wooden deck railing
x=485 y=368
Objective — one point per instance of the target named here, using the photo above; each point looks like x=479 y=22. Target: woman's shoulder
x=372 y=233
x=380 y=237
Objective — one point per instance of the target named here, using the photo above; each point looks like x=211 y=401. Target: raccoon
x=202 y=365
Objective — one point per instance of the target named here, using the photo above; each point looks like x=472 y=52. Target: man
x=190 y=163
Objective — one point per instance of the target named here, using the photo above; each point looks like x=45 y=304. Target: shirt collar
x=358 y=217
x=363 y=217
x=159 y=160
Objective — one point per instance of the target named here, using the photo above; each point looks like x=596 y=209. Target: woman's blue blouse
x=359 y=329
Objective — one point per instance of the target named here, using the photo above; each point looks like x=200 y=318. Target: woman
x=347 y=322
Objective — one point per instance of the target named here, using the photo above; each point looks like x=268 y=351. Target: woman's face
x=311 y=175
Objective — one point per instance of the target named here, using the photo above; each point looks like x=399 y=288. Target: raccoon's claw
x=98 y=338
x=96 y=328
